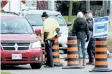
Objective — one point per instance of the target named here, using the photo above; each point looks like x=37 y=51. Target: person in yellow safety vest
x=49 y=34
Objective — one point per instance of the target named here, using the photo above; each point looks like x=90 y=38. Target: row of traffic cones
x=101 y=64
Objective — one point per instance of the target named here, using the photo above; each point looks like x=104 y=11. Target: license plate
x=16 y=56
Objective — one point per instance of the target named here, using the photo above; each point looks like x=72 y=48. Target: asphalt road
x=26 y=69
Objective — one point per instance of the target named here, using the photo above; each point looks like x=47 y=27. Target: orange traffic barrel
x=56 y=54
x=101 y=64
x=72 y=54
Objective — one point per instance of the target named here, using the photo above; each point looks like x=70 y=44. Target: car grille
x=15 y=46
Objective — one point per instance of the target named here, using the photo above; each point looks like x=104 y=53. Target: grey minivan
x=34 y=18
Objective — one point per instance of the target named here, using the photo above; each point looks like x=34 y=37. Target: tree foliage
x=63 y=7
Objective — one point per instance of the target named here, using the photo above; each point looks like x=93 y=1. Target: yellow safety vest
x=50 y=26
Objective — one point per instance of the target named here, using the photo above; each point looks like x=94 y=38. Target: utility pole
x=70 y=12
x=87 y=5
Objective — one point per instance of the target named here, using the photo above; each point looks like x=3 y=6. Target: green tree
x=63 y=7
x=70 y=11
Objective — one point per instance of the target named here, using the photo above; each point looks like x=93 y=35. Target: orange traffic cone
x=56 y=54
x=72 y=54
x=101 y=64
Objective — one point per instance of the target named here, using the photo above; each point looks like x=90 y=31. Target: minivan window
x=15 y=26
x=35 y=19
x=59 y=19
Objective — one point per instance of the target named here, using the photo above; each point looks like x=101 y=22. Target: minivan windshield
x=35 y=19
x=15 y=26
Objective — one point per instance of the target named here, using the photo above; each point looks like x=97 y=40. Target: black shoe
x=45 y=64
x=90 y=63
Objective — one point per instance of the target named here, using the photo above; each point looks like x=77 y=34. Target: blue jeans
x=82 y=43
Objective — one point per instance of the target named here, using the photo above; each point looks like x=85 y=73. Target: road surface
x=26 y=69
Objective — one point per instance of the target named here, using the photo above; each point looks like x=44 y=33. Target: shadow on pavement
x=14 y=68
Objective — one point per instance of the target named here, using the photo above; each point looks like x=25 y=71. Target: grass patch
x=73 y=18
x=5 y=73
x=110 y=40
x=72 y=21
x=110 y=43
x=109 y=35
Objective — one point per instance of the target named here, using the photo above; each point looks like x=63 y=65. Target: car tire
x=2 y=66
x=36 y=65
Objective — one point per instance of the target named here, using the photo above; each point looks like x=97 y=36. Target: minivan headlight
x=36 y=45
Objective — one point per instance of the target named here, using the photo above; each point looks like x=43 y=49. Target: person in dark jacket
x=80 y=29
x=91 y=44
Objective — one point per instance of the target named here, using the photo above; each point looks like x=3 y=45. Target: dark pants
x=91 y=50
x=48 y=49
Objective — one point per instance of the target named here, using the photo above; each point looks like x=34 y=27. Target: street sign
x=100 y=27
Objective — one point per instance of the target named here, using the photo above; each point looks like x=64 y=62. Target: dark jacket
x=80 y=29
x=90 y=24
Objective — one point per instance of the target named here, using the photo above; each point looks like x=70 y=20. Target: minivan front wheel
x=36 y=65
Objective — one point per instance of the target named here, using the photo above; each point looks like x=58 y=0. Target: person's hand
x=45 y=41
x=87 y=40
x=88 y=36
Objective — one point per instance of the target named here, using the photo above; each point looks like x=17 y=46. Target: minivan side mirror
x=38 y=32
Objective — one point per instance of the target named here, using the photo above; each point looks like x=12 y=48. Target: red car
x=19 y=44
